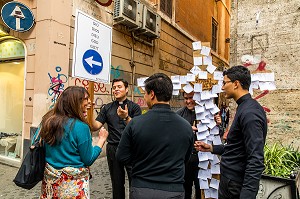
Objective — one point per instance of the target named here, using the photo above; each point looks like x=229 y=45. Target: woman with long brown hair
x=68 y=144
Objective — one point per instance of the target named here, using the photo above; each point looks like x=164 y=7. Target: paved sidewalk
x=100 y=185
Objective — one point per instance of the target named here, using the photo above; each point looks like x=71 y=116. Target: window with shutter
x=166 y=7
x=214 y=34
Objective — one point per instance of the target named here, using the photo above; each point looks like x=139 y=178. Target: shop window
x=166 y=7
x=12 y=97
x=214 y=35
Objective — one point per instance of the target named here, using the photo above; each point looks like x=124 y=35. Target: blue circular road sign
x=17 y=16
x=92 y=62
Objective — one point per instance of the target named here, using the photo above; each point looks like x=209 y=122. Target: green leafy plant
x=281 y=161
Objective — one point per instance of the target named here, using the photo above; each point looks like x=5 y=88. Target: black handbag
x=32 y=168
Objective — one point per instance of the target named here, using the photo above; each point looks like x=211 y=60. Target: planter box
x=278 y=188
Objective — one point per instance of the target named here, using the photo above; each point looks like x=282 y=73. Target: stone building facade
x=270 y=28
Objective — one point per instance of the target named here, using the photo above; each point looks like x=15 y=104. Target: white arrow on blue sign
x=92 y=62
x=17 y=16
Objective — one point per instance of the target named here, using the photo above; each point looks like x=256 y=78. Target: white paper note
x=254 y=84
x=217 y=140
x=183 y=79
x=205 y=50
x=175 y=79
x=176 y=86
x=215 y=160
x=197 y=61
x=200 y=102
x=202 y=135
x=203 y=184
x=209 y=104
x=213 y=193
x=199 y=109
x=207 y=193
x=197 y=87
x=206 y=120
x=203 y=164
x=204 y=173
x=214 y=130
x=202 y=75
x=190 y=77
x=200 y=116
x=175 y=92
x=216 y=89
x=254 y=77
x=214 y=110
x=197 y=97
x=205 y=95
x=211 y=124
x=202 y=156
x=201 y=127
x=140 y=81
x=215 y=169
x=218 y=75
x=195 y=70
x=196 y=45
x=207 y=60
x=211 y=68
x=188 y=88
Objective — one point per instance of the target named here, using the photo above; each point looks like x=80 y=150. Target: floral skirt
x=65 y=183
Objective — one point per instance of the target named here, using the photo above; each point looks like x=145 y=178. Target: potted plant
x=280 y=178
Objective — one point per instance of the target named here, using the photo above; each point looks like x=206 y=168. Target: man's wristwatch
x=126 y=118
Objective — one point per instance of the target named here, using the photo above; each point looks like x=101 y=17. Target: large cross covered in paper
x=206 y=83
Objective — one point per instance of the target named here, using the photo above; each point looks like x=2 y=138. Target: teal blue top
x=75 y=149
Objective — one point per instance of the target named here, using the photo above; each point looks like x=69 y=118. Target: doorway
x=12 y=76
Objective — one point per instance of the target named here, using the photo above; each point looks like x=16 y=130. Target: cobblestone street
x=100 y=185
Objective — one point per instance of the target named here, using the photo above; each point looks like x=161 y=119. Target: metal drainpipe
x=132 y=65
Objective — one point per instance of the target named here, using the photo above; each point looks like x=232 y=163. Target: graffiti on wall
x=137 y=91
x=248 y=61
x=141 y=102
x=57 y=85
x=100 y=101
x=116 y=72
x=98 y=87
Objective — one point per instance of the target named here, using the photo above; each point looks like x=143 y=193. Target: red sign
x=104 y=2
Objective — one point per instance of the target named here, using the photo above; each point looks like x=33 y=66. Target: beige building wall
x=273 y=34
x=49 y=54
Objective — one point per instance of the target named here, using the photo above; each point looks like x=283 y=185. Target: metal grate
x=151 y=21
x=129 y=8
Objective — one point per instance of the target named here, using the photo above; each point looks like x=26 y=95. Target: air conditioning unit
x=128 y=13
x=151 y=23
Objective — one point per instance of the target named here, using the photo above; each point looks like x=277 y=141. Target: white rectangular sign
x=92 y=49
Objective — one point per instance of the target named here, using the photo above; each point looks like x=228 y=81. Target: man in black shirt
x=242 y=161
x=117 y=115
x=157 y=143
x=191 y=167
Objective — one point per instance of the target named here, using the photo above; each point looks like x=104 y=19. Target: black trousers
x=117 y=172
x=191 y=177
x=229 y=189
x=146 y=193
